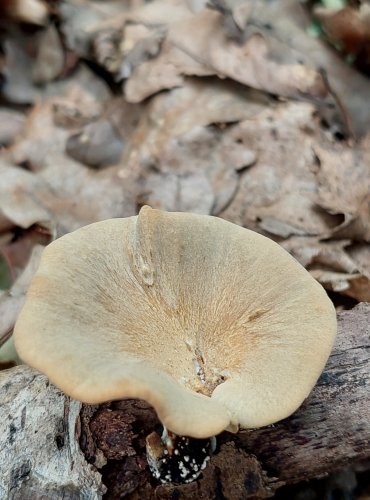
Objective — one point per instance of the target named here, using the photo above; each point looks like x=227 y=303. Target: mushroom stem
x=177 y=459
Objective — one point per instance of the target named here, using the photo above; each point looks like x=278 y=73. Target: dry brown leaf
x=335 y=264
x=162 y=12
x=11 y=124
x=98 y=144
x=177 y=146
x=18 y=85
x=195 y=165
x=139 y=45
x=353 y=285
x=278 y=194
x=20 y=193
x=49 y=62
x=283 y=26
x=59 y=192
x=199 y=46
x=202 y=102
x=65 y=194
x=360 y=253
x=237 y=14
x=80 y=21
x=80 y=100
x=40 y=138
x=29 y=62
x=183 y=193
x=289 y=22
x=344 y=187
x=310 y=251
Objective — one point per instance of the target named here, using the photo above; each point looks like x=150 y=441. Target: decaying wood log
x=332 y=428
x=40 y=455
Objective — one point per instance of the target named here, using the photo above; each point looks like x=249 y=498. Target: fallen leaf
x=337 y=266
x=199 y=46
x=48 y=125
x=11 y=124
x=360 y=253
x=20 y=193
x=344 y=187
x=288 y=21
x=98 y=144
x=139 y=45
x=49 y=61
x=185 y=158
x=18 y=85
x=310 y=251
x=80 y=21
x=65 y=195
x=278 y=194
x=182 y=193
x=353 y=285
x=25 y=69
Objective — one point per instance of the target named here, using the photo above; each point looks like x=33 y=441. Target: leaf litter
x=225 y=108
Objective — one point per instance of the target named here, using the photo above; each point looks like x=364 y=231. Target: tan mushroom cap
x=214 y=325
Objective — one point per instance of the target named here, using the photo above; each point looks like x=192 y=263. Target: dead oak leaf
x=81 y=20
x=360 y=253
x=352 y=285
x=47 y=127
x=49 y=62
x=288 y=21
x=183 y=150
x=278 y=194
x=344 y=187
x=39 y=139
x=66 y=195
x=11 y=124
x=335 y=264
x=194 y=172
x=20 y=193
x=98 y=144
x=310 y=251
x=199 y=46
x=181 y=193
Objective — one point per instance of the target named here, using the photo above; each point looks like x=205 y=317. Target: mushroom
x=214 y=325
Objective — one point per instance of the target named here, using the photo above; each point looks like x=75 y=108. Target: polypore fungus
x=214 y=325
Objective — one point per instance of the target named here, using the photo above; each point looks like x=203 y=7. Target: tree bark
x=40 y=457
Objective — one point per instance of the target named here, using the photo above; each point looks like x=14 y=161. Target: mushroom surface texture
x=214 y=325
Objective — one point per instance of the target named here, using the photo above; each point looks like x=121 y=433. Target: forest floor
x=253 y=111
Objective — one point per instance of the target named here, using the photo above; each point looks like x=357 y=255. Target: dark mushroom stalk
x=178 y=459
